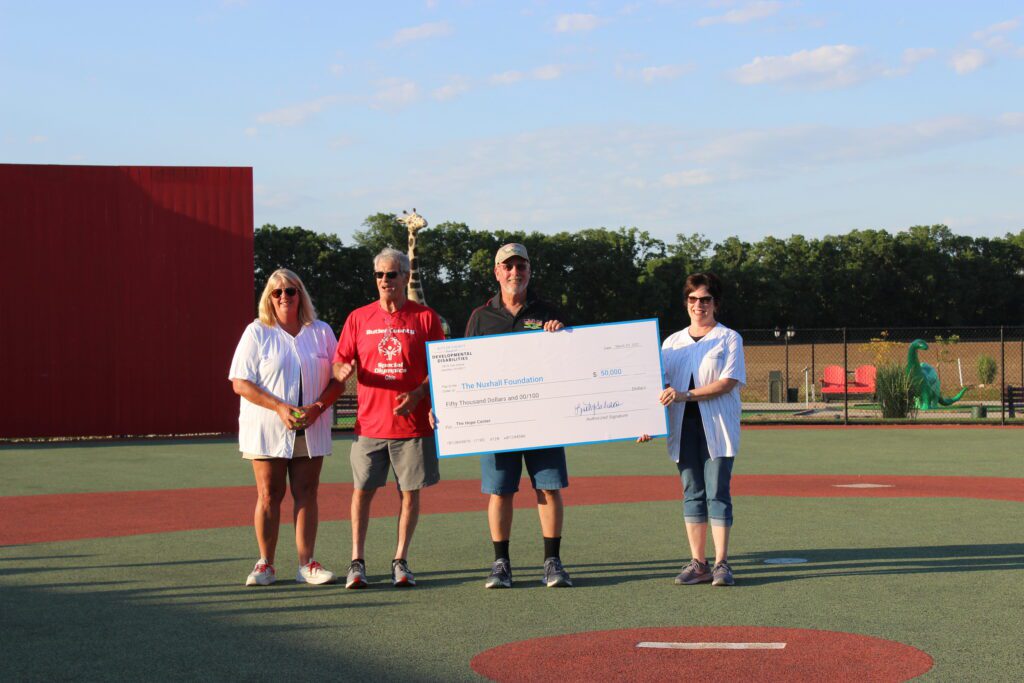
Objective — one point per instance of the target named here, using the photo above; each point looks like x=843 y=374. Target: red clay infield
x=615 y=656
x=36 y=519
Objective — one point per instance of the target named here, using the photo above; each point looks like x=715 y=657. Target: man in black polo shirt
x=515 y=309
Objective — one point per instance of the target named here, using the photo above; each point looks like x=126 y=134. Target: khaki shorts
x=414 y=462
x=300 y=451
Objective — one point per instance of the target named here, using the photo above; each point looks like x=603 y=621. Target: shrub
x=896 y=391
x=986 y=369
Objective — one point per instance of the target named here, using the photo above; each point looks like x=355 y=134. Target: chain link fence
x=830 y=375
x=838 y=375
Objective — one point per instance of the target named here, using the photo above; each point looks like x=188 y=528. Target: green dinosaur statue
x=928 y=396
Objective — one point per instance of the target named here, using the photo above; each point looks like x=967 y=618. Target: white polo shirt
x=272 y=359
x=718 y=355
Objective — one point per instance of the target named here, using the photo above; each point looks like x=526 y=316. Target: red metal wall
x=125 y=291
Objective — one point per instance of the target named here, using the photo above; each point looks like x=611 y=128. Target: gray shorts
x=414 y=462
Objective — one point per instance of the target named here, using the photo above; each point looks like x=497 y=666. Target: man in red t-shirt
x=384 y=343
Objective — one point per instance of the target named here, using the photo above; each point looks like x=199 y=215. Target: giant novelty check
x=514 y=392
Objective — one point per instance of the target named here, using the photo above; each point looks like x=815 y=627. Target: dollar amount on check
x=529 y=390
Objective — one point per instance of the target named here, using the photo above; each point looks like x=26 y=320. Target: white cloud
x=548 y=72
x=828 y=66
x=297 y=113
x=337 y=69
x=456 y=86
x=912 y=56
x=252 y=131
x=689 y=178
x=915 y=55
x=576 y=23
x=340 y=141
x=743 y=15
x=678 y=179
x=436 y=29
x=276 y=199
x=994 y=37
x=966 y=61
x=506 y=77
x=994 y=29
x=37 y=139
x=395 y=93
x=667 y=72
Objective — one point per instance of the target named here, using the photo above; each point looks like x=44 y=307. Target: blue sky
x=718 y=117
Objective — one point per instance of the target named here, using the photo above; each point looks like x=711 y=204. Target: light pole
x=787 y=335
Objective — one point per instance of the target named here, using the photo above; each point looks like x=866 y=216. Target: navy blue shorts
x=500 y=472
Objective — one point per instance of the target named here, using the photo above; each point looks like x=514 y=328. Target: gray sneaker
x=695 y=572
x=555 y=575
x=401 y=577
x=501 y=575
x=722 y=574
x=356 y=575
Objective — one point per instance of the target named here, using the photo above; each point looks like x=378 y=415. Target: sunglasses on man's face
x=290 y=291
x=390 y=274
x=509 y=267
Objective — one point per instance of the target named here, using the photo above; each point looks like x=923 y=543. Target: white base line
x=863 y=486
x=715 y=646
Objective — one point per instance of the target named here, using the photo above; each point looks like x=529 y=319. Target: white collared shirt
x=718 y=355
x=272 y=359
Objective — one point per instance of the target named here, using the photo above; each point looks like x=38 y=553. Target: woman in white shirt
x=282 y=372
x=704 y=370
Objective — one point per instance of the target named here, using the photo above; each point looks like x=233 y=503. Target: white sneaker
x=262 y=574
x=314 y=573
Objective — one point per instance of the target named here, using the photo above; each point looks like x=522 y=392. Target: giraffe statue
x=414 y=222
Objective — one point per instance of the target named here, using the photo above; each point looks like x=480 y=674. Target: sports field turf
x=941 y=574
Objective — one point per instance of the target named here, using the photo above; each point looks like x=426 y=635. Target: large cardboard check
x=515 y=392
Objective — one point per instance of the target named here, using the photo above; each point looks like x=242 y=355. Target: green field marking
x=941 y=576
x=149 y=465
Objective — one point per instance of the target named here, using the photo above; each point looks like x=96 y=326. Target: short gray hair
x=392 y=254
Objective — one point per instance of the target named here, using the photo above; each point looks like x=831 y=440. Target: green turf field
x=945 y=575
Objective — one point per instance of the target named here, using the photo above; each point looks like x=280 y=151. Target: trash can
x=775 y=386
x=979 y=412
x=792 y=395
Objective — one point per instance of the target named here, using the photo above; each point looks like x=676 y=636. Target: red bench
x=834 y=383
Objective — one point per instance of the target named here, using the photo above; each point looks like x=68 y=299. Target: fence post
x=846 y=382
x=814 y=374
x=1002 y=376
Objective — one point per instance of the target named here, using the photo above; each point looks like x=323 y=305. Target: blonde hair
x=282 y=277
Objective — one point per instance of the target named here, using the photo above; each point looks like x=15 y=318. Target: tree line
x=924 y=276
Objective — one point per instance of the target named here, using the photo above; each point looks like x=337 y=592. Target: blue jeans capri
x=500 y=472
x=705 y=481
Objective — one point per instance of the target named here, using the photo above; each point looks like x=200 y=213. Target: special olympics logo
x=389 y=346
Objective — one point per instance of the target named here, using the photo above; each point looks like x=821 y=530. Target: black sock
x=500 y=550
x=360 y=561
x=552 y=546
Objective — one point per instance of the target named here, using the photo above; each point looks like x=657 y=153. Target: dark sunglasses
x=380 y=274
x=694 y=300
x=290 y=291
x=509 y=267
